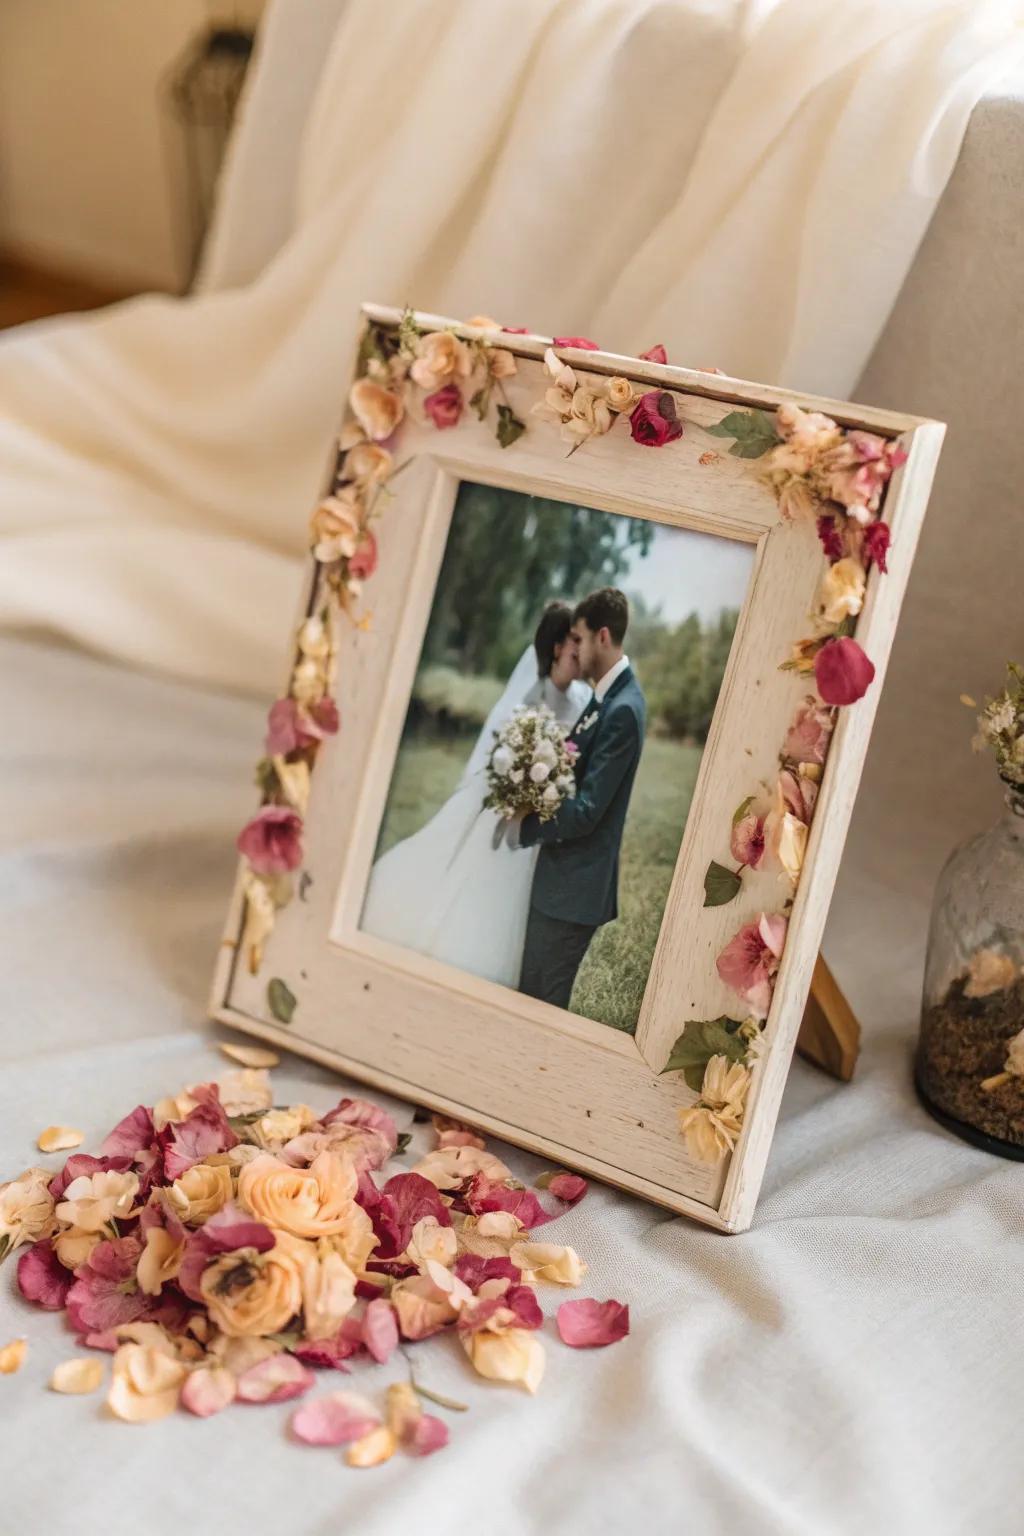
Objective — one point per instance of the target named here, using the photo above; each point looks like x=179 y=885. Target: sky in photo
x=686 y=572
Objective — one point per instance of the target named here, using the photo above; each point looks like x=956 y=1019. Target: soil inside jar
x=963 y=1042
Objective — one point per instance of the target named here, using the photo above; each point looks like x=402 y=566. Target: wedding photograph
x=566 y=686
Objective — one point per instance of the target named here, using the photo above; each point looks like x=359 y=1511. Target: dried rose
x=444 y=406
x=200 y=1193
x=335 y=529
x=579 y=342
x=272 y=840
x=308 y=1202
x=619 y=393
x=251 y=1293
x=653 y=421
x=364 y=562
x=367 y=464
x=378 y=410
x=655 y=354
x=442 y=357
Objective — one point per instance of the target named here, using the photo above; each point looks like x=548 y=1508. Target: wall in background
x=89 y=163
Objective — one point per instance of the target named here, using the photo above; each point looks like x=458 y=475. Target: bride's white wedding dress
x=447 y=891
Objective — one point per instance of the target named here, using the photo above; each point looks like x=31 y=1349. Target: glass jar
x=970 y=1060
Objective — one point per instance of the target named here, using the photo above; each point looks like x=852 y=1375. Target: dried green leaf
x=720 y=885
x=700 y=1040
x=266 y=776
x=742 y=809
x=754 y=433
x=281 y=1000
x=404 y=1138
x=480 y=401
x=509 y=428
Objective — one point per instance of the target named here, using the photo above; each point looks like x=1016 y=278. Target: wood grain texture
x=540 y=1077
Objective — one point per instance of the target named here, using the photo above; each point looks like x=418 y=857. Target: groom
x=575 y=885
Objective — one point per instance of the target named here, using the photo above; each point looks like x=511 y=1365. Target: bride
x=447 y=891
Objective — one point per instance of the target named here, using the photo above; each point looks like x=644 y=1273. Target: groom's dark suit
x=576 y=882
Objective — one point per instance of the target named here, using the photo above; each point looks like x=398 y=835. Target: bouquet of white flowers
x=530 y=768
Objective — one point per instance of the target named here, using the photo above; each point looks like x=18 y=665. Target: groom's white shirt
x=601 y=688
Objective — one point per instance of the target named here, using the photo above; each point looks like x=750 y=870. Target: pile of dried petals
x=226 y=1249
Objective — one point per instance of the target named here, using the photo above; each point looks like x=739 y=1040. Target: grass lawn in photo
x=612 y=978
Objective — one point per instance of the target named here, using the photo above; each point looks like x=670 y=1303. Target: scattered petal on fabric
x=589 y=1324
x=208 y=1390
x=514 y=1355
x=77 y=1376
x=339 y=1419
x=254 y=1056
x=274 y=1380
x=569 y=1187
x=59 y=1138
x=428 y=1434
x=12 y=1356
x=372 y=1449
x=549 y=1261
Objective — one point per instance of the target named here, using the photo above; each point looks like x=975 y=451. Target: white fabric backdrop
x=854 y=1362
x=746 y=182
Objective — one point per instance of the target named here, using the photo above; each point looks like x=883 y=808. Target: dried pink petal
x=135 y=1133
x=274 y=1380
x=589 y=1324
x=428 y=1434
x=380 y=1330
x=569 y=1187
x=207 y=1390
x=339 y=1419
x=42 y=1278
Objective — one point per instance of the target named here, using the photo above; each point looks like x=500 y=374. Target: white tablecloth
x=852 y=1363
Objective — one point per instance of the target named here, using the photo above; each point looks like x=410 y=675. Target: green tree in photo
x=507 y=555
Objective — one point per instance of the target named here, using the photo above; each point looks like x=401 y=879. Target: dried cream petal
x=77 y=1376
x=514 y=1355
x=12 y=1356
x=372 y=1449
x=59 y=1138
x=254 y=1056
x=403 y=1409
x=549 y=1261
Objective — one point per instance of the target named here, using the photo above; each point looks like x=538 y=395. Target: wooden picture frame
x=295 y=968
